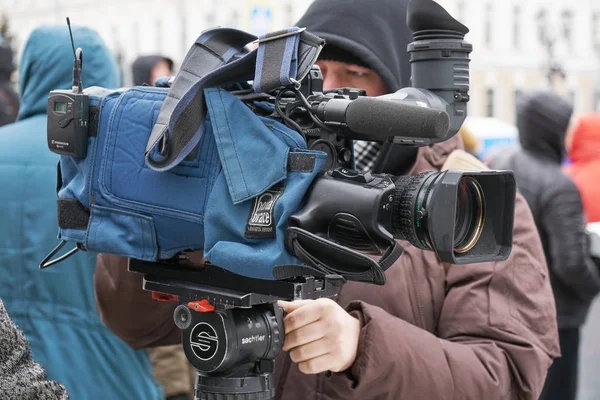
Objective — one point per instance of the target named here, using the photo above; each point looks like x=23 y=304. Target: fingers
x=290 y=306
x=309 y=351
x=316 y=365
x=307 y=313
x=320 y=336
x=306 y=334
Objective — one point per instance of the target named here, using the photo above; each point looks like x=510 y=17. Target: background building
x=512 y=39
x=516 y=45
x=138 y=27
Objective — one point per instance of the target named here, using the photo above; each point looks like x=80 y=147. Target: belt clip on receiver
x=68 y=113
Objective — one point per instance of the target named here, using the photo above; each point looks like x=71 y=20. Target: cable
x=308 y=107
x=290 y=123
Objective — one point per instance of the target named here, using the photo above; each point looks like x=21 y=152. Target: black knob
x=182 y=316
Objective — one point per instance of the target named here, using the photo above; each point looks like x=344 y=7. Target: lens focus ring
x=403 y=207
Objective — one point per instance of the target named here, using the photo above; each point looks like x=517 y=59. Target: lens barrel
x=414 y=199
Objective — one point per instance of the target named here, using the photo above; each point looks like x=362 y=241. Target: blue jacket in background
x=55 y=307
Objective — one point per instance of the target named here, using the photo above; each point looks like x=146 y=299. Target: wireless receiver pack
x=68 y=113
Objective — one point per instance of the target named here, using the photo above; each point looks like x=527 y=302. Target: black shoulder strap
x=183 y=110
x=218 y=58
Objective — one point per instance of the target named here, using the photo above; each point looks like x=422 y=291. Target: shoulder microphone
x=386 y=118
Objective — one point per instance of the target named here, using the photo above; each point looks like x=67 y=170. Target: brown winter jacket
x=482 y=331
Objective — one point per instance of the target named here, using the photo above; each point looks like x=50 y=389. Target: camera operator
x=478 y=331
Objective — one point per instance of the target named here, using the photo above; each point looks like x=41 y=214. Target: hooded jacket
x=364 y=31
x=55 y=307
x=584 y=153
x=542 y=121
x=482 y=331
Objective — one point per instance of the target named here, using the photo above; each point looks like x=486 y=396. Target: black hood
x=142 y=68
x=374 y=31
x=542 y=120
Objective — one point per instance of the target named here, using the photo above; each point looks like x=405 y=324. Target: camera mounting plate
x=225 y=289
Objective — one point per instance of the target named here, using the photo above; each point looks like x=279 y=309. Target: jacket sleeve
x=20 y=376
x=562 y=219
x=495 y=338
x=128 y=310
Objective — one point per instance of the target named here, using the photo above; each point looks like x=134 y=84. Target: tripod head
x=231 y=326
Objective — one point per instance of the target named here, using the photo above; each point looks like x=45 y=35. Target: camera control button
x=64 y=122
x=350 y=175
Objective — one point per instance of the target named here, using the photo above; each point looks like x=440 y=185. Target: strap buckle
x=280 y=36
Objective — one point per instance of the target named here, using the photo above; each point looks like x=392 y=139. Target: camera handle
x=328 y=257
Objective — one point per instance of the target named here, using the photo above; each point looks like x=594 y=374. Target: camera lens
x=413 y=199
x=468 y=220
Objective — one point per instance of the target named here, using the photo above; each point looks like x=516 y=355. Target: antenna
x=77 y=63
x=71 y=34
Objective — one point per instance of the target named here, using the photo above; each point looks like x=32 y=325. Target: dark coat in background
x=542 y=120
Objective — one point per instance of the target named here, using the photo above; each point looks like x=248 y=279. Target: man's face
x=160 y=69
x=337 y=74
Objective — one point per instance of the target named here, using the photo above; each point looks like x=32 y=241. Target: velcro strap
x=284 y=58
x=301 y=162
x=94 y=115
x=72 y=214
x=331 y=258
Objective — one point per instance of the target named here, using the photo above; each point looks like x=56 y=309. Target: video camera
x=153 y=196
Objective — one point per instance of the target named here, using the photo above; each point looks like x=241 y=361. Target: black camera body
x=450 y=212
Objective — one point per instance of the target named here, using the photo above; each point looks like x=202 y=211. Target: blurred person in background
x=479 y=331
x=583 y=147
x=542 y=121
x=9 y=99
x=147 y=69
x=55 y=307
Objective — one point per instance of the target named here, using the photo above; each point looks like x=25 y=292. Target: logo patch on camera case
x=261 y=222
